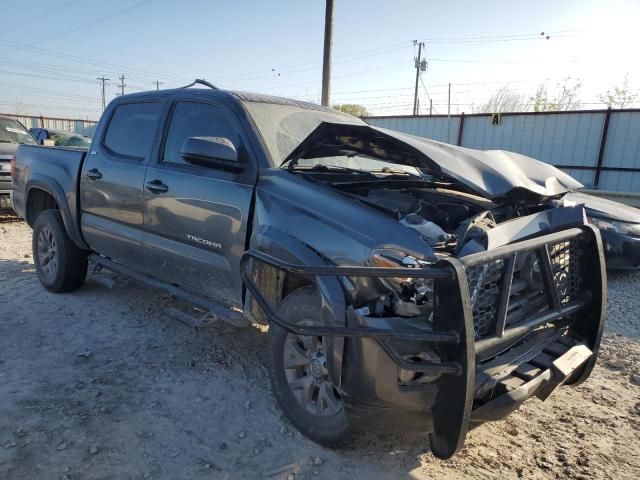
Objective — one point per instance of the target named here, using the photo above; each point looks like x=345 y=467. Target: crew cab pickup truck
x=407 y=283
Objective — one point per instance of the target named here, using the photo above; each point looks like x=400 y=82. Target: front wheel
x=299 y=376
x=60 y=265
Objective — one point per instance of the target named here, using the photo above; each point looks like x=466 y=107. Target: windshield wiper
x=328 y=168
x=2 y=140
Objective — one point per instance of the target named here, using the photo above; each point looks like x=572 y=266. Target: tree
x=353 y=109
x=619 y=97
x=565 y=98
x=504 y=100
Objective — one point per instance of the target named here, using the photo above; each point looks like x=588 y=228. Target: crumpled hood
x=493 y=174
x=603 y=208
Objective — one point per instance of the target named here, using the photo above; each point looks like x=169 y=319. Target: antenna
x=199 y=81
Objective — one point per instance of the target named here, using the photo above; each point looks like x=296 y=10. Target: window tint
x=132 y=129
x=191 y=119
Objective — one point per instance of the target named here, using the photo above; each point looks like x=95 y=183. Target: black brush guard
x=452 y=330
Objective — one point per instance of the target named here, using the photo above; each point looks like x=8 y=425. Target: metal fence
x=600 y=148
x=83 y=127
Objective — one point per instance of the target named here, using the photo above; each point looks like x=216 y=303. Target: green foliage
x=619 y=97
x=352 y=109
x=565 y=98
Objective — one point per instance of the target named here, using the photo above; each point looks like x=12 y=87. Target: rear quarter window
x=132 y=129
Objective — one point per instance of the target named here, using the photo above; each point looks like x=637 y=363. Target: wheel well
x=274 y=285
x=38 y=201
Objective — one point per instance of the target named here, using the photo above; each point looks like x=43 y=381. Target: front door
x=196 y=217
x=112 y=179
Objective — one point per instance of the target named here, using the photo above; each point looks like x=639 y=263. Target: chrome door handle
x=93 y=174
x=156 y=186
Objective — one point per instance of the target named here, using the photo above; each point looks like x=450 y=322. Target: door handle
x=93 y=174
x=156 y=186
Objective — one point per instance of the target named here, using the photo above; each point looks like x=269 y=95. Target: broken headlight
x=411 y=294
x=623 y=228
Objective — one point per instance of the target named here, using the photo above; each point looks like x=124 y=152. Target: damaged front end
x=475 y=334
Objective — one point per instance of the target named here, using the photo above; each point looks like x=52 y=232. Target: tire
x=330 y=427
x=60 y=265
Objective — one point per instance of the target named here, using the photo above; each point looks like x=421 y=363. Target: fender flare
x=53 y=188
x=333 y=307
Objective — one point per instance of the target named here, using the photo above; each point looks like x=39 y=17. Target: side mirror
x=212 y=152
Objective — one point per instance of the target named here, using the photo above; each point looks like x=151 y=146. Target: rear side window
x=193 y=119
x=132 y=129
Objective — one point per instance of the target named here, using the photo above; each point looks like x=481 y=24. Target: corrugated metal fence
x=83 y=127
x=600 y=148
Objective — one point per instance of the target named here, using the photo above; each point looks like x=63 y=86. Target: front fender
x=333 y=304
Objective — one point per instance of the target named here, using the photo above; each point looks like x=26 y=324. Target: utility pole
x=122 y=84
x=157 y=84
x=449 y=116
x=421 y=66
x=103 y=80
x=326 y=60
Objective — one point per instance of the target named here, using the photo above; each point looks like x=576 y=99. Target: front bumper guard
x=451 y=330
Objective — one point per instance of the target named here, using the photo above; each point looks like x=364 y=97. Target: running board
x=216 y=310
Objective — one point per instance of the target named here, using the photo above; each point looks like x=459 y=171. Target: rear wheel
x=299 y=376
x=60 y=265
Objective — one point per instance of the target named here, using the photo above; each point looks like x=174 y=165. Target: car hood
x=494 y=174
x=601 y=207
x=7 y=149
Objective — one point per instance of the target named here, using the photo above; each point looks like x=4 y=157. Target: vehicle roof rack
x=199 y=81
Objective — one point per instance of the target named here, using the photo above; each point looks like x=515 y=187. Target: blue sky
x=51 y=52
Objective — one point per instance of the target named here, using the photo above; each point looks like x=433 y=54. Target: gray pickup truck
x=407 y=284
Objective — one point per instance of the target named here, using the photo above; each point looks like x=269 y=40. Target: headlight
x=624 y=228
x=389 y=258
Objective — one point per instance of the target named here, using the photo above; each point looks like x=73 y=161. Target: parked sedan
x=619 y=226
x=60 y=138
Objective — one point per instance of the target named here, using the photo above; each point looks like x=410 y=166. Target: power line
x=38 y=17
x=89 y=61
x=90 y=24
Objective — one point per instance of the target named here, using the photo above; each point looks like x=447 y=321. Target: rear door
x=112 y=179
x=196 y=217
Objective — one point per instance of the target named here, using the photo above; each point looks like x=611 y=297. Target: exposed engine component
x=472 y=234
x=429 y=230
x=394 y=201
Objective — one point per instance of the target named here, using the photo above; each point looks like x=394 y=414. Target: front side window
x=193 y=119
x=132 y=129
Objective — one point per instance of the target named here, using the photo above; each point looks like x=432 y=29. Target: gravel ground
x=101 y=384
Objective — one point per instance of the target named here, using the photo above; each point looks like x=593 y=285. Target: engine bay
x=447 y=220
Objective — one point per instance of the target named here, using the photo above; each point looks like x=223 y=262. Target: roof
x=237 y=95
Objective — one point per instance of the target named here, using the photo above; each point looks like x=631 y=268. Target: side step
x=213 y=309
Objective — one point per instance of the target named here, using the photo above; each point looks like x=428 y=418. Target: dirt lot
x=101 y=384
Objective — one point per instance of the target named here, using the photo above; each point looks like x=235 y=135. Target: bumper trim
x=541 y=386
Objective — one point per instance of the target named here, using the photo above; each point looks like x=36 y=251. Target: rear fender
x=53 y=188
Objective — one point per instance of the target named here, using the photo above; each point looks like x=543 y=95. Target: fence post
x=603 y=142
x=460 y=129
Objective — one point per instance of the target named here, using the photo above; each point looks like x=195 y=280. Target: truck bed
x=56 y=167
